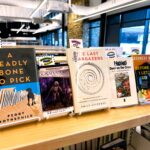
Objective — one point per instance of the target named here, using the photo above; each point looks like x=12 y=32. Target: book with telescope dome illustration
x=20 y=99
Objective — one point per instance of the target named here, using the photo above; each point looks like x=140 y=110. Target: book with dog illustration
x=89 y=78
x=56 y=91
x=20 y=99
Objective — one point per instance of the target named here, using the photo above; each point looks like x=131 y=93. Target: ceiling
x=19 y=18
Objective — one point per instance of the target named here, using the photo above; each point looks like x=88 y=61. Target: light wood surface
x=55 y=133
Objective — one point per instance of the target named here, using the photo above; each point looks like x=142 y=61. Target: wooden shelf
x=55 y=133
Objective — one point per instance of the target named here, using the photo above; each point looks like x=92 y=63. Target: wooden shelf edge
x=60 y=132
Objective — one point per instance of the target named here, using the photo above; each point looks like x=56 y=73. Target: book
x=76 y=43
x=142 y=74
x=116 y=144
x=20 y=99
x=50 y=58
x=122 y=80
x=112 y=52
x=56 y=91
x=89 y=78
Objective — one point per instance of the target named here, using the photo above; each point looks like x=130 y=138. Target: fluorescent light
x=38 y=8
x=46 y=14
x=23 y=30
x=109 y=10
x=20 y=28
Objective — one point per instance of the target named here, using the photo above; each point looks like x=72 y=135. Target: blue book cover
x=20 y=99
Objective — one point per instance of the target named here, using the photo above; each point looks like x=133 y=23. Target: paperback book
x=112 y=52
x=56 y=91
x=20 y=99
x=49 y=58
x=142 y=74
x=89 y=78
x=122 y=80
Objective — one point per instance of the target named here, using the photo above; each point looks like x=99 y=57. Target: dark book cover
x=142 y=75
x=56 y=91
x=20 y=99
x=116 y=144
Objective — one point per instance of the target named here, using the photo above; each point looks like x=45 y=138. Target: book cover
x=89 y=78
x=112 y=52
x=19 y=87
x=116 y=144
x=122 y=80
x=56 y=91
x=142 y=74
x=48 y=58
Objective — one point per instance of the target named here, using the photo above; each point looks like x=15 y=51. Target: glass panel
x=65 y=38
x=94 y=24
x=131 y=38
x=60 y=37
x=134 y=16
x=148 y=42
x=94 y=37
x=94 y=34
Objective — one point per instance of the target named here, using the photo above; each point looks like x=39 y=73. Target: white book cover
x=112 y=52
x=90 y=79
x=122 y=80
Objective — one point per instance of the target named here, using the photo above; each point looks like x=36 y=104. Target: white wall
x=94 y=2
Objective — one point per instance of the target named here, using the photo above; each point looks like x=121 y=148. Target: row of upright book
x=35 y=85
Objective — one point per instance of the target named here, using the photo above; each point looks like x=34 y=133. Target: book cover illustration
x=19 y=87
x=122 y=80
x=90 y=80
x=116 y=144
x=142 y=74
x=56 y=91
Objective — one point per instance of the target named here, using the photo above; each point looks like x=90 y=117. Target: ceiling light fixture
x=20 y=28
x=38 y=8
x=46 y=14
x=24 y=30
x=109 y=10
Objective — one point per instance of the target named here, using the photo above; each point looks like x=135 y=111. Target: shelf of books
x=55 y=133
x=69 y=96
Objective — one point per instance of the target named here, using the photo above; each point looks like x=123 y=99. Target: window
x=131 y=38
x=94 y=33
x=129 y=30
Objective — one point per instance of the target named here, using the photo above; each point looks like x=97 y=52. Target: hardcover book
x=116 y=144
x=122 y=80
x=56 y=91
x=19 y=87
x=89 y=78
x=142 y=74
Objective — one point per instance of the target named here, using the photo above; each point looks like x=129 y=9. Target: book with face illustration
x=122 y=80
x=20 y=99
x=89 y=78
